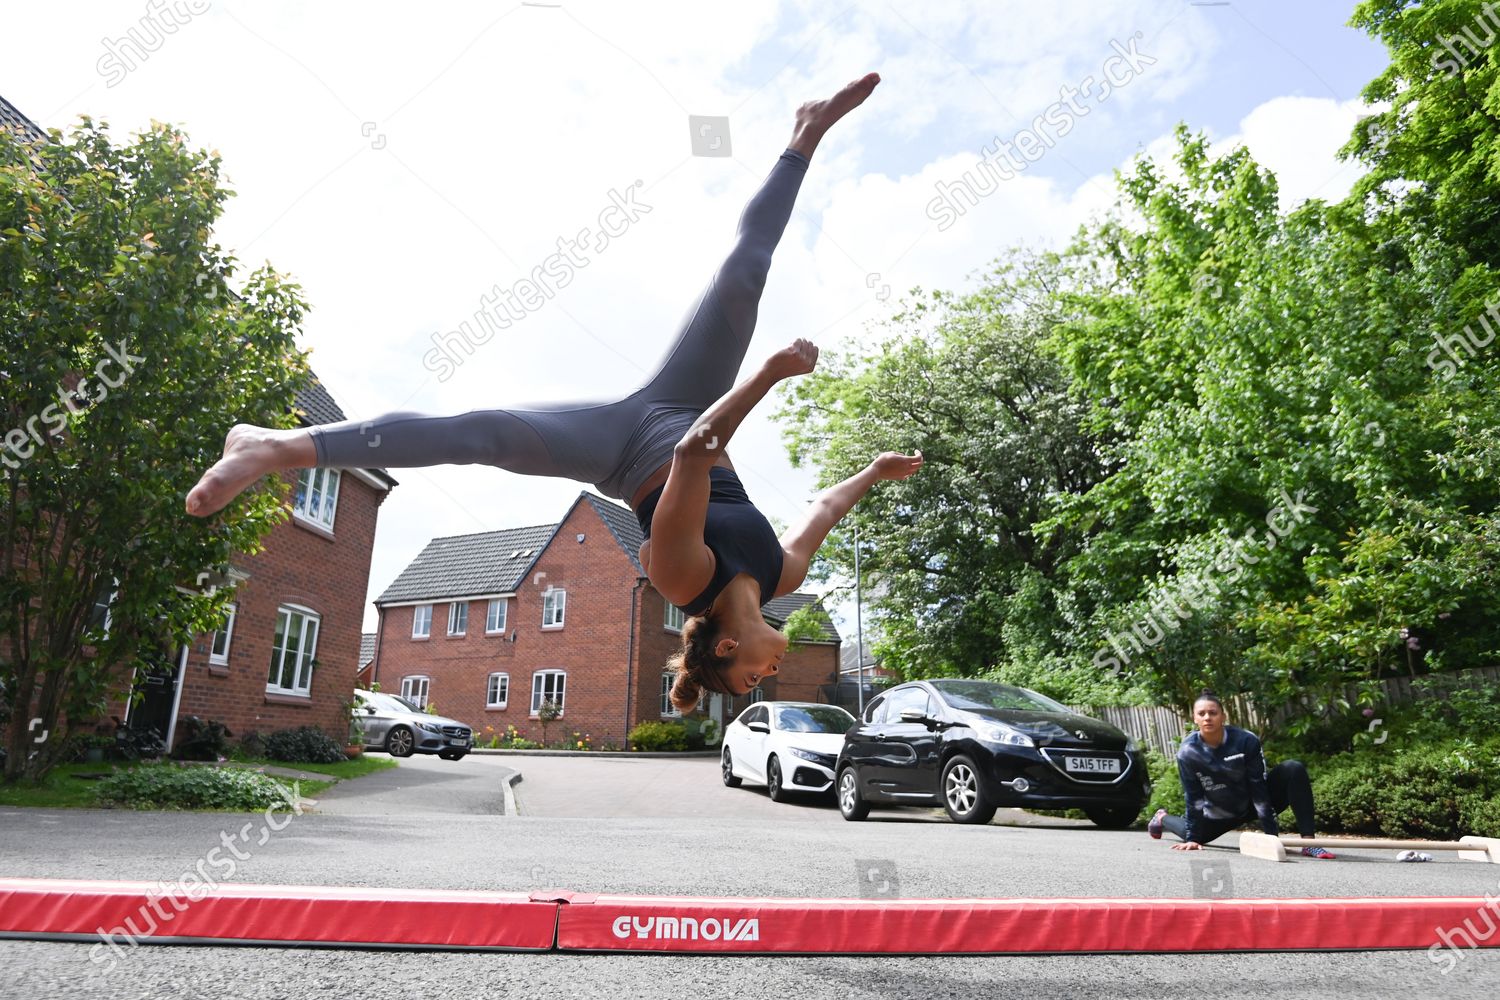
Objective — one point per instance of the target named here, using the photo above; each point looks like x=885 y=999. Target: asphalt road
x=671 y=827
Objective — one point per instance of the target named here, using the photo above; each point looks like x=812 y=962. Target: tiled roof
x=318 y=405
x=490 y=562
x=623 y=525
x=849 y=658
x=11 y=117
x=779 y=609
x=366 y=648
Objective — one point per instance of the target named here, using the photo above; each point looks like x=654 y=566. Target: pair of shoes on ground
x=1322 y=853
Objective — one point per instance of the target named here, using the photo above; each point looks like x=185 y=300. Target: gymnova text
x=687 y=928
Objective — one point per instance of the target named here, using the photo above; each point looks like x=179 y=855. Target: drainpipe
x=177 y=696
x=379 y=636
x=630 y=654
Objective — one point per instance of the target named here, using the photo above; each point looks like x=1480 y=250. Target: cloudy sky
x=400 y=161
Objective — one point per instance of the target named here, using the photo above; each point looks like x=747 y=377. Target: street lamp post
x=859 y=625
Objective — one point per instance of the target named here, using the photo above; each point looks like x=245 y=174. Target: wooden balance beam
x=1269 y=848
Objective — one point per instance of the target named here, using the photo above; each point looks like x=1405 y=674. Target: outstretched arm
x=801 y=543
x=710 y=434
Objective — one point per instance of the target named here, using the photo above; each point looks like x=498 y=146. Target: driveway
x=668 y=788
x=421 y=785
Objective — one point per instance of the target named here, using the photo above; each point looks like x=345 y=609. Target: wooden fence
x=1162 y=728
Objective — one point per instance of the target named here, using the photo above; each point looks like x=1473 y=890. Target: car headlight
x=999 y=732
x=430 y=727
x=817 y=758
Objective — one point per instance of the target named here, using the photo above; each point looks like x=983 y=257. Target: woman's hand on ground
x=798 y=359
x=894 y=465
x=1188 y=845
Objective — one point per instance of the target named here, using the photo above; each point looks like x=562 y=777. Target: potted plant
x=354 y=744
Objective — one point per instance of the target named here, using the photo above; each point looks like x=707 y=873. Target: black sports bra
x=741 y=538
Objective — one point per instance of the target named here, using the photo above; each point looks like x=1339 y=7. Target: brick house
x=282 y=658
x=483 y=627
x=298 y=604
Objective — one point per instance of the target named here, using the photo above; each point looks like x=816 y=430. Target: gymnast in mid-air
x=661 y=449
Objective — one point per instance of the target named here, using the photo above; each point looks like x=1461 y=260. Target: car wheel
x=399 y=742
x=1113 y=817
x=727 y=766
x=774 y=787
x=964 y=793
x=851 y=803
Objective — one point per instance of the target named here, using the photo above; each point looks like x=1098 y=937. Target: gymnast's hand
x=1188 y=845
x=798 y=359
x=894 y=465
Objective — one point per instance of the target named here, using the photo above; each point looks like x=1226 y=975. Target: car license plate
x=1093 y=765
x=458 y=741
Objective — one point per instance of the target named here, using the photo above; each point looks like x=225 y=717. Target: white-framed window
x=414 y=689
x=497 y=695
x=317 y=496
x=674 y=618
x=494 y=618
x=548 y=685
x=421 y=621
x=554 y=603
x=668 y=710
x=293 y=650
x=458 y=617
x=218 y=649
x=100 y=615
x=756 y=694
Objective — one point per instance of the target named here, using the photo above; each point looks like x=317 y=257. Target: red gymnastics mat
x=122 y=914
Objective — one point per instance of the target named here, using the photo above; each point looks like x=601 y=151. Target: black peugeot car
x=973 y=746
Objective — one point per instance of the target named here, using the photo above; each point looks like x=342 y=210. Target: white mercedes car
x=788 y=746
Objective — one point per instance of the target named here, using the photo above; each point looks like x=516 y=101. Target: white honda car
x=788 y=746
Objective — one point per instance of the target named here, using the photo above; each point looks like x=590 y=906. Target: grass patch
x=59 y=789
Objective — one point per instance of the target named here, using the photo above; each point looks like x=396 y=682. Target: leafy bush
x=202 y=740
x=1166 y=786
x=252 y=746
x=169 y=786
x=303 y=745
x=1441 y=790
x=659 y=736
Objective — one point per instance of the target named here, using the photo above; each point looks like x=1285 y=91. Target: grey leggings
x=614 y=445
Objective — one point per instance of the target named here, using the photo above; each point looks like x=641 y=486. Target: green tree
x=958 y=579
x=125 y=358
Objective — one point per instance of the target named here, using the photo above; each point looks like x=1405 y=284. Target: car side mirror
x=919 y=717
x=758 y=727
x=370 y=709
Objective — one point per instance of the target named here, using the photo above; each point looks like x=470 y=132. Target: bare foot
x=816 y=117
x=249 y=453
